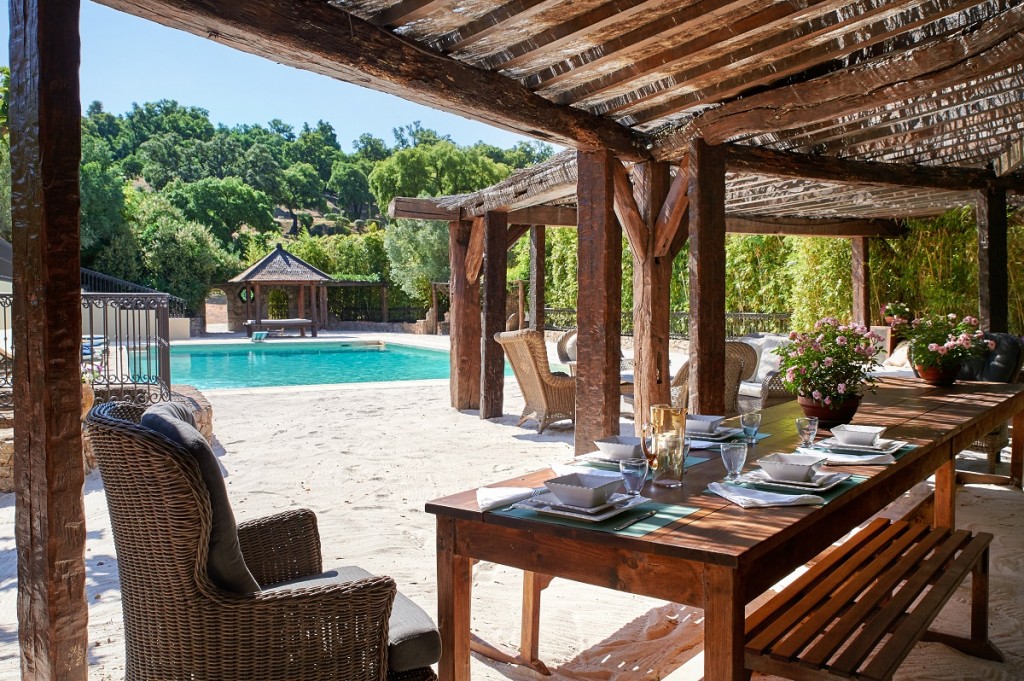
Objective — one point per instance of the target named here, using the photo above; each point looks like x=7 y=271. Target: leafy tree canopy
x=225 y=206
x=418 y=253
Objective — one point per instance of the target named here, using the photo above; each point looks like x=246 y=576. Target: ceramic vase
x=942 y=376
x=826 y=415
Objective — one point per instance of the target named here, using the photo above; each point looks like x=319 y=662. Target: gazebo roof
x=281 y=267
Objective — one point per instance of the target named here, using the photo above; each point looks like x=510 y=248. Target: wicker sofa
x=763 y=388
x=204 y=598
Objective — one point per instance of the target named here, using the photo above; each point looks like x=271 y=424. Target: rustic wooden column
x=707 y=277
x=651 y=277
x=993 y=277
x=538 y=268
x=257 y=302
x=384 y=293
x=492 y=357
x=464 y=330
x=45 y=124
x=599 y=301
x=861 y=272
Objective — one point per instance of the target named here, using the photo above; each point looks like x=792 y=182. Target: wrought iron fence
x=373 y=314
x=97 y=282
x=126 y=352
x=736 y=323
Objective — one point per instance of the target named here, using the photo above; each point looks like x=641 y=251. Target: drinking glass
x=734 y=455
x=807 y=428
x=670 y=452
x=751 y=422
x=634 y=475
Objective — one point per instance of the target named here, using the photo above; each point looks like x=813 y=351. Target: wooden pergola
x=281 y=269
x=841 y=111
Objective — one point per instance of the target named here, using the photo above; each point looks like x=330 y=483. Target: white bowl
x=864 y=436
x=620 y=447
x=791 y=467
x=703 y=423
x=585 y=491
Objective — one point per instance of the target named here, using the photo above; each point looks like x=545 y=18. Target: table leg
x=1017 y=451
x=454 y=581
x=723 y=626
x=945 y=495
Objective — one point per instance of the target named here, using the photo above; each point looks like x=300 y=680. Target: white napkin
x=753 y=498
x=493 y=497
x=838 y=459
x=704 y=444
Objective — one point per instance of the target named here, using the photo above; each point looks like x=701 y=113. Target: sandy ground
x=367 y=458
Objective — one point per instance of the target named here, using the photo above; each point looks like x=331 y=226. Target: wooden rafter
x=826 y=38
x=1011 y=158
x=787 y=164
x=549 y=40
x=326 y=40
x=405 y=11
x=515 y=232
x=826 y=228
x=996 y=45
x=427 y=209
x=670 y=218
x=475 y=252
x=480 y=28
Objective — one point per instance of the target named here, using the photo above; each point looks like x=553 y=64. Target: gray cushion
x=999 y=366
x=225 y=564
x=413 y=639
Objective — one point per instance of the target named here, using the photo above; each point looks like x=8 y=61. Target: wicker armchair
x=734 y=370
x=549 y=398
x=180 y=623
x=1001 y=365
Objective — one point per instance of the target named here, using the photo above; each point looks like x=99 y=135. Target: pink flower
x=841 y=340
x=828 y=400
x=991 y=344
x=793 y=335
x=828 y=361
x=790 y=374
x=934 y=347
x=841 y=388
x=943 y=350
x=951 y=317
x=971 y=320
x=816 y=395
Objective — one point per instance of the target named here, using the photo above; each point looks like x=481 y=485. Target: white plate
x=883 y=446
x=549 y=499
x=822 y=482
x=536 y=504
x=719 y=435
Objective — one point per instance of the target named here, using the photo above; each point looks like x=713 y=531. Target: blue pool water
x=248 y=365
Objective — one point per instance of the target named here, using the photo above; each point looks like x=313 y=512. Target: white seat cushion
x=750 y=389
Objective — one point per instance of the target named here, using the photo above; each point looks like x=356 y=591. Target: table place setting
x=777 y=467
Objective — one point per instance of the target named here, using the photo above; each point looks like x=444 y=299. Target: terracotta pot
x=943 y=376
x=889 y=319
x=88 y=397
x=827 y=416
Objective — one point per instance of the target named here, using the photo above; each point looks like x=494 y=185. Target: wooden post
x=257 y=302
x=520 y=304
x=861 y=282
x=492 y=357
x=599 y=301
x=464 y=380
x=651 y=278
x=993 y=276
x=538 y=268
x=46 y=135
x=384 y=299
x=433 y=307
x=707 y=277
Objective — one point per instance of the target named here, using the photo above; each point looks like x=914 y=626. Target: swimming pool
x=249 y=365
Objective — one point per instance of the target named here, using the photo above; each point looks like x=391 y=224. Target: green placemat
x=666 y=514
x=828 y=496
x=740 y=437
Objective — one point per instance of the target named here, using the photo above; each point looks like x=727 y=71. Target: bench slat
x=896 y=649
x=851 y=578
x=776 y=613
x=879 y=621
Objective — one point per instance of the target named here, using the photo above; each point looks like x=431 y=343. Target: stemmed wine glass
x=734 y=455
x=807 y=428
x=750 y=422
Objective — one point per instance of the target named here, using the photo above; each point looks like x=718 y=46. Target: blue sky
x=125 y=60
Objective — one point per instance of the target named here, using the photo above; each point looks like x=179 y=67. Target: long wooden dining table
x=723 y=556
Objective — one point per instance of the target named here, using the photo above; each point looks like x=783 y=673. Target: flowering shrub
x=945 y=341
x=900 y=313
x=831 y=364
x=91 y=372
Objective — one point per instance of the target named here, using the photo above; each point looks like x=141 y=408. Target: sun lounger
x=259 y=336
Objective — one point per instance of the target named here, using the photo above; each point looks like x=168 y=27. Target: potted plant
x=90 y=374
x=940 y=343
x=829 y=369
x=896 y=314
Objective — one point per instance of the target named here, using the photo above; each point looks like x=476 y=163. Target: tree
x=316 y=146
x=371 y=148
x=259 y=169
x=225 y=206
x=415 y=135
x=432 y=170
x=352 y=189
x=169 y=157
x=418 y=253
x=302 y=189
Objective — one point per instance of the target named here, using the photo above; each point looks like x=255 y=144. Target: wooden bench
x=858 y=612
x=282 y=324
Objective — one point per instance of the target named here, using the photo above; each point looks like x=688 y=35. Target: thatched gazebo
x=278 y=269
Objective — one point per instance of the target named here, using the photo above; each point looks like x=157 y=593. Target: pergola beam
x=761 y=161
x=427 y=209
x=889 y=229
x=1012 y=157
x=325 y=39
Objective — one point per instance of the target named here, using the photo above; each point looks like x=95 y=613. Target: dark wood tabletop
x=724 y=556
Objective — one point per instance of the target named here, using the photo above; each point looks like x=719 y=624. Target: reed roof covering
x=281 y=267
x=909 y=82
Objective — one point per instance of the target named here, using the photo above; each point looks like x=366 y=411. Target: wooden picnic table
x=723 y=556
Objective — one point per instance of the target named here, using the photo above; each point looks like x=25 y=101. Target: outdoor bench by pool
x=282 y=324
x=859 y=611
